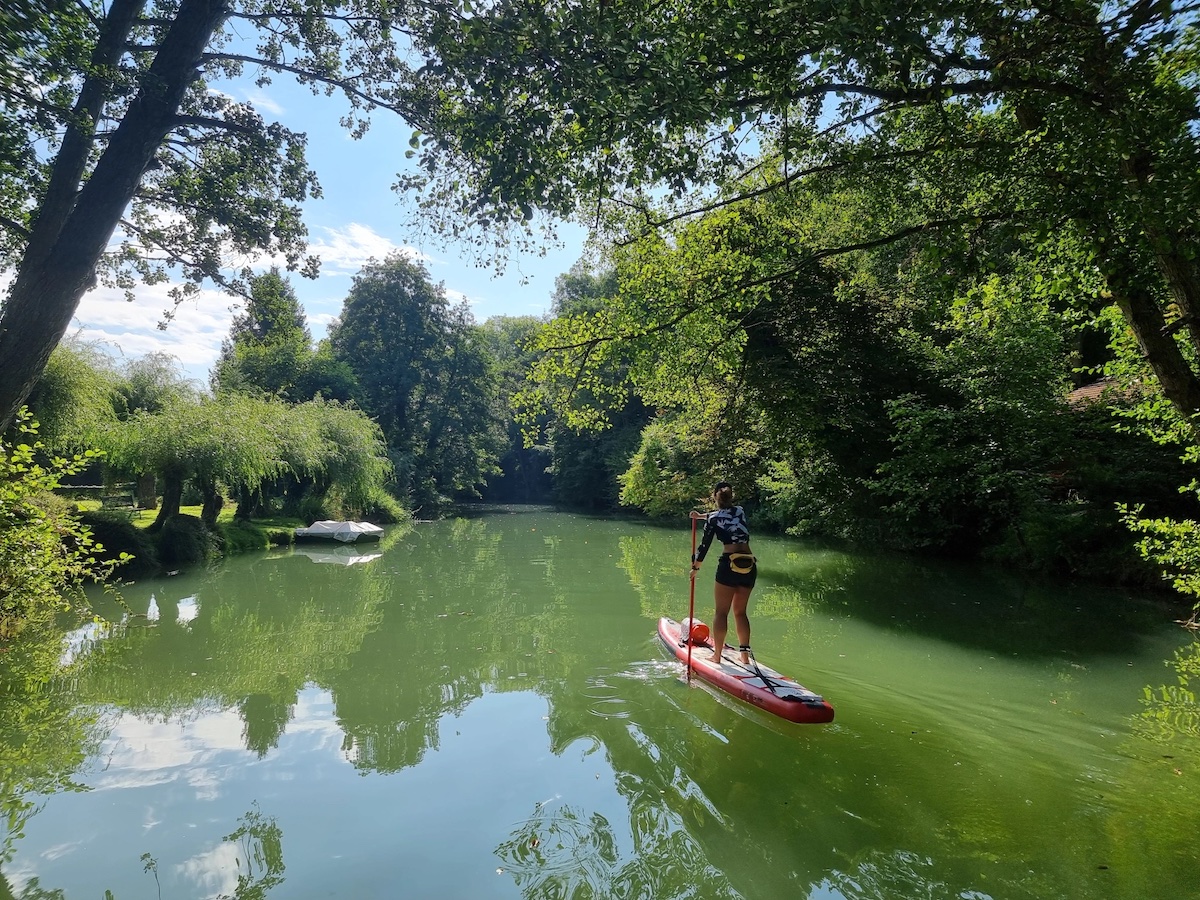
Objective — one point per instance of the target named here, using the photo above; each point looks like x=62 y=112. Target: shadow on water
x=973 y=606
x=970 y=604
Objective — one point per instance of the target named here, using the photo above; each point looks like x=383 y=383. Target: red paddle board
x=756 y=683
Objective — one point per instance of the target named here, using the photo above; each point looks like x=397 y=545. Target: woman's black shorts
x=737 y=570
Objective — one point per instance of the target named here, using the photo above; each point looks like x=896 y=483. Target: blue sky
x=358 y=217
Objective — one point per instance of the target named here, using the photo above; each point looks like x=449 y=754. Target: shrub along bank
x=183 y=539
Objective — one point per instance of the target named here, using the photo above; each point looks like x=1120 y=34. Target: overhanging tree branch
x=806 y=262
x=784 y=182
x=343 y=84
x=219 y=124
x=15 y=227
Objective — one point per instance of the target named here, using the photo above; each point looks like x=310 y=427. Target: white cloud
x=215 y=872
x=60 y=850
x=197 y=753
x=345 y=250
x=260 y=100
x=193 y=336
x=313 y=716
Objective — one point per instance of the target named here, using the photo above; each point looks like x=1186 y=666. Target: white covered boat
x=346 y=532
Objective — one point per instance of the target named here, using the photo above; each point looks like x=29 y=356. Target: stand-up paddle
x=691 y=619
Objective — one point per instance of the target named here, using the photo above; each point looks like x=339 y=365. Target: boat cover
x=346 y=532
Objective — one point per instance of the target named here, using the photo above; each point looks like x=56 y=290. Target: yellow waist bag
x=741 y=563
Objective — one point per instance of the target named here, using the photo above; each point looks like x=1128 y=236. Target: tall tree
x=425 y=375
x=272 y=314
x=112 y=124
x=524 y=464
x=585 y=465
x=269 y=347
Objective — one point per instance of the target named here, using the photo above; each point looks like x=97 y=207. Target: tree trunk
x=171 y=497
x=1133 y=221
x=246 y=501
x=59 y=263
x=147 y=497
x=1176 y=377
x=213 y=502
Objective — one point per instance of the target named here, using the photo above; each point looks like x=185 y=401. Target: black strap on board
x=770 y=684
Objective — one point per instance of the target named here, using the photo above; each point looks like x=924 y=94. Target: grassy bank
x=184 y=540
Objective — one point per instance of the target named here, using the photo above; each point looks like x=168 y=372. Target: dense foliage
x=45 y=554
x=854 y=258
x=1079 y=116
x=425 y=374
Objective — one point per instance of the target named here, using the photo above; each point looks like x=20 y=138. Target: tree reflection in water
x=1173 y=710
x=470 y=608
x=260 y=844
x=259 y=858
x=565 y=853
x=264 y=719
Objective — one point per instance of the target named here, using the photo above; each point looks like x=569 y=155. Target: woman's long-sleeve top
x=729 y=525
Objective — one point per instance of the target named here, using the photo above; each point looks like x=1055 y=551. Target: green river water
x=480 y=707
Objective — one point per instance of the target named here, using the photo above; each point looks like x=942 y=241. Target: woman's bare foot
x=715 y=659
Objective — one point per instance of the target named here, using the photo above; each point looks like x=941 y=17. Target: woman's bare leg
x=723 y=595
x=740 y=599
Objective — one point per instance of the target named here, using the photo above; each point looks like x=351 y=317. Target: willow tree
x=77 y=394
x=229 y=442
x=336 y=448
x=238 y=443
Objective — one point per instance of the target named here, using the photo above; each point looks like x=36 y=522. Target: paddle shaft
x=691 y=600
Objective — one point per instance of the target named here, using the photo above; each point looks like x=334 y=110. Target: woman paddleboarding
x=737 y=569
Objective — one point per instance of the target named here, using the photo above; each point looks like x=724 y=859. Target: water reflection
x=1173 y=710
x=480 y=669
x=337 y=556
x=565 y=852
x=45 y=736
x=244 y=866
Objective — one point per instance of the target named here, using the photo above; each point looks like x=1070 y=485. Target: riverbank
x=183 y=540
